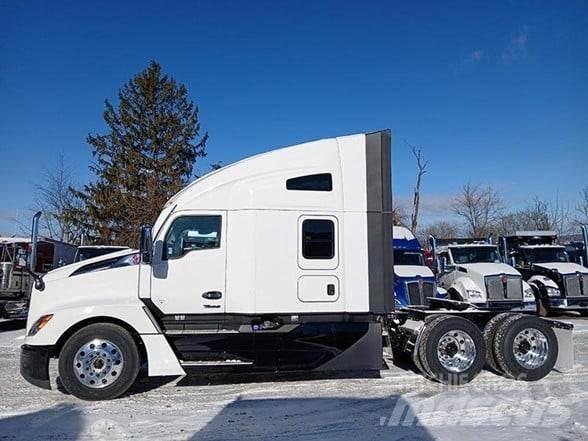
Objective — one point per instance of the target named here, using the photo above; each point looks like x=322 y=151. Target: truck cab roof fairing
x=259 y=182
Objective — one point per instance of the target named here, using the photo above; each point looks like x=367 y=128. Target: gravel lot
x=398 y=405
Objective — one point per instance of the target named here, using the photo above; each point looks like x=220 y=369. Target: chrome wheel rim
x=456 y=351
x=98 y=363
x=530 y=348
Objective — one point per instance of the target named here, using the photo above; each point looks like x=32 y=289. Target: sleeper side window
x=189 y=233
x=318 y=239
x=318 y=182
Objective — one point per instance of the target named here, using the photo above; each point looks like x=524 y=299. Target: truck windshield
x=544 y=255
x=475 y=254
x=408 y=257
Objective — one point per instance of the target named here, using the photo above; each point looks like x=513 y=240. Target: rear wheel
x=99 y=362
x=489 y=334
x=452 y=350
x=525 y=348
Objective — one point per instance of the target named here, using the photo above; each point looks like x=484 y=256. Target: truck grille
x=504 y=288
x=576 y=285
x=418 y=291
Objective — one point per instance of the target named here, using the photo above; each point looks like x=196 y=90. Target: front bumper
x=568 y=304
x=34 y=365
x=498 y=305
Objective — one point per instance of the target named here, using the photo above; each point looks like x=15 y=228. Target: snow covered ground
x=400 y=405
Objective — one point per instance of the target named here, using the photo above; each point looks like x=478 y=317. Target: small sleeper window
x=318 y=239
x=318 y=182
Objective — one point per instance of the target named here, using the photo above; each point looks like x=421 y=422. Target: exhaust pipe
x=34 y=240
x=490 y=239
x=504 y=250
x=433 y=246
x=32 y=260
x=585 y=240
x=6 y=274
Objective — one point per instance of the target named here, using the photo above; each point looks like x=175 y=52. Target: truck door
x=189 y=262
x=318 y=259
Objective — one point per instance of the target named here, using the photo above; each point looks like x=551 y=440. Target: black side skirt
x=34 y=365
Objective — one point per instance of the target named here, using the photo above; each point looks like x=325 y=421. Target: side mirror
x=146 y=245
x=443 y=264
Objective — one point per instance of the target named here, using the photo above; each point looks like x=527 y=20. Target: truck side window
x=318 y=182
x=188 y=233
x=318 y=239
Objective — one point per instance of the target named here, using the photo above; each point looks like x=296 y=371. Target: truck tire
x=525 y=347
x=416 y=357
x=489 y=334
x=99 y=362
x=452 y=350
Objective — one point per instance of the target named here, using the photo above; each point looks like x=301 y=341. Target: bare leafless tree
x=441 y=229
x=54 y=197
x=539 y=214
x=542 y=214
x=582 y=207
x=422 y=165
x=399 y=216
x=480 y=206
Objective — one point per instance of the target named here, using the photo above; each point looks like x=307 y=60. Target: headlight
x=528 y=294
x=40 y=324
x=474 y=294
x=552 y=292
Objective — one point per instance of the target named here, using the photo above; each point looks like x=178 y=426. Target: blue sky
x=493 y=92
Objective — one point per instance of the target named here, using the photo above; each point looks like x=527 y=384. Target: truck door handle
x=330 y=289
x=212 y=295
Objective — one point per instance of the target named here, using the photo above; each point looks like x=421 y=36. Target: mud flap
x=563 y=331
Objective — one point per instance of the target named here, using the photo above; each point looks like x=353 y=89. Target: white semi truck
x=279 y=262
x=472 y=270
x=559 y=285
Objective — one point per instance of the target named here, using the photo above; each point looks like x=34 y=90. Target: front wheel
x=525 y=348
x=99 y=362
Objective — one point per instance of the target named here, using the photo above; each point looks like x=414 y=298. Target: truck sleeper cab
x=414 y=282
x=275 y=263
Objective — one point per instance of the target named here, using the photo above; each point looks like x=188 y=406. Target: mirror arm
x=38 y=278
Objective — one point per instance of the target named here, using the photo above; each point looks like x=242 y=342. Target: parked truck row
x=529 y=271
x=279 y=262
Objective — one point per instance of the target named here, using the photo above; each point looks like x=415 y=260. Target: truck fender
x=442 y=293
x=161 y=359
x=462 y=285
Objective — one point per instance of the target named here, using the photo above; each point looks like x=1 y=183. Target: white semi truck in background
x=279 y=262
x=558 y=284
x=471 y=270
x=44 y=255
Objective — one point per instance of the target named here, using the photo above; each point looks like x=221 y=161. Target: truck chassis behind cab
x=280 y=262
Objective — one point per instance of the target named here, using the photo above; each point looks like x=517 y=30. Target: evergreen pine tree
x=148 y=154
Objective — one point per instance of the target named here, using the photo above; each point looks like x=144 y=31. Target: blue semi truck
x=414 y=281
